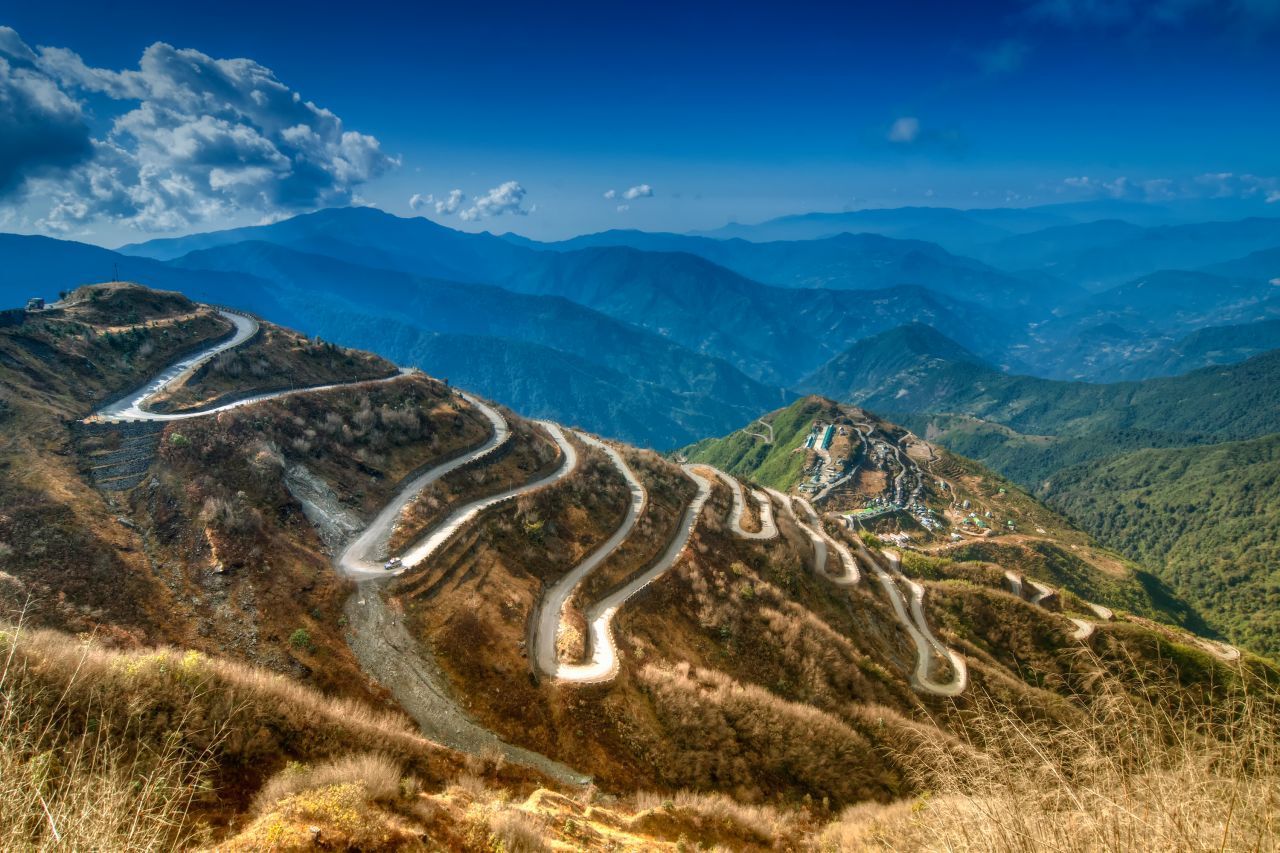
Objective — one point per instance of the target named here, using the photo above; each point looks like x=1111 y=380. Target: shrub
x=377 y=775
x=517 y=832
x=301 y=639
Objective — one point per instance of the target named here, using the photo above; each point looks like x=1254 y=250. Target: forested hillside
x=1205 y=520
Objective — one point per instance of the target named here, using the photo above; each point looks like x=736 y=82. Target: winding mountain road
x=921 y=635
x=850 y=574
x=409 y=672
x=602 y=663
x=132 y=406
x=550 y=614
x=768 y=529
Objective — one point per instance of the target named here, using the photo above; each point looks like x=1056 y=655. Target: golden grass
x=378 y=776
x=1143 y=769
x=65 y=786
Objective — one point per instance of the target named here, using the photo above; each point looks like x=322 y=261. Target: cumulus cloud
x=42 y=130
x=505 y=198
x=450 y=203
x=418 y=201
x=194 y=138
x=904 y=130
x=638 y=191
x=610 y=194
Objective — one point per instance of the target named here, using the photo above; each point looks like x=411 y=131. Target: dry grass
x=378 y=776
x=707 y=816
x=514 y=831
x=167 y=725
x=1144 y=769
x=67 y=786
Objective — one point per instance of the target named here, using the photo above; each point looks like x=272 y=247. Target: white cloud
x=192 y=138
x=905 y=129
x=418 y=201
x=610 y=194
x=505 y=198
x=1208 y=185
x=623 y=208
x=450 y=203
x=638 y=191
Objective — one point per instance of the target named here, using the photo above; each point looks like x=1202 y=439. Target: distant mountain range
x=862 y=261
x=1026 y=427
x=718 y=328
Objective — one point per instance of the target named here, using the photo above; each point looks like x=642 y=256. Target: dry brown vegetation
x=528 y=454
x=1142 y=769
x=132 y=746
x=669 y=494
x=275 y=360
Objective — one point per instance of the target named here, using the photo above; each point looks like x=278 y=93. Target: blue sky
x=723 y=110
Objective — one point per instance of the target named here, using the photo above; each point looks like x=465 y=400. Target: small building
x=35 y=303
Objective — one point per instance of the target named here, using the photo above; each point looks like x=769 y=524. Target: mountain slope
x=883 y=366
x=1204 y=519
x=1208 y=346
x=1018 y=532
x=236 y=535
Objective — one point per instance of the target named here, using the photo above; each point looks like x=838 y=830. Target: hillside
x=557 y=609
x=1205 y=347
x=956 y=507
x=1203 y=519
x=886 y=366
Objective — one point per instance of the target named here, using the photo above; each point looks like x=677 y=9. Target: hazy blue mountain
x=43 y=266
x=775 y=334
x=1101 y=337
x=845 y=261
x=367 y=237
x=335 y=298
x=1100 y=255
x=955 y=229
x=1042 y=249
x=1260 y=266
x=960 y=231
